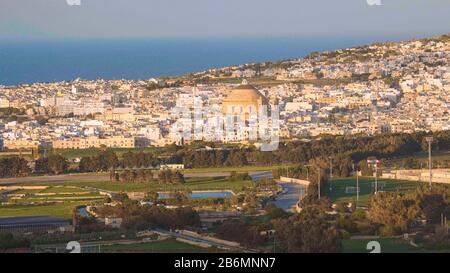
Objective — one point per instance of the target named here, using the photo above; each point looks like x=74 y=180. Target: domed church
x=244 y=101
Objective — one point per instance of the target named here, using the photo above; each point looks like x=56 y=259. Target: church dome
x=245 y=93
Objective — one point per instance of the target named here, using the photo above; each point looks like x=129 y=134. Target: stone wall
x=438 y=175
x=293 y=180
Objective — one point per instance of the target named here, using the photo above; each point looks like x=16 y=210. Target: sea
x=50 y=60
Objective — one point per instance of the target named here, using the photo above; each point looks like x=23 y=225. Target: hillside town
x=369 y=90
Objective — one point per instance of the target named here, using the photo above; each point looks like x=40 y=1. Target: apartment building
x=94 y=142
x=20 y=144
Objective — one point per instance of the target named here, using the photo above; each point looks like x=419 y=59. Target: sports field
x=338 y=192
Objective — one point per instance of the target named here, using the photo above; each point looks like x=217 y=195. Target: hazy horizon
x=50 y=19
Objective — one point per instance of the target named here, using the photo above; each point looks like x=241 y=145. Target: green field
x=338 y=193
x=55 y=201
x=166 y=246
x=61 y=189
x=60 y=199
x=200 y=183
x=62 y=210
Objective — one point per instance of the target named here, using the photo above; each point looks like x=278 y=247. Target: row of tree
x=343 y=148
x=345 y=151
x=137 y=217
x=396 y=212
x=53 y=164
x=130 y=176
x=14 y=167
x=9 y=241
x=104 y=161
x=309 y=231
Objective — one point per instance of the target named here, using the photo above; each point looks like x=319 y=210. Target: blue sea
x=29 y=61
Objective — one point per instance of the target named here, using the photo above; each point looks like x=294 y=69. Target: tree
x=274 y=212
x=392 y=209
x=182 y=196
x=241 y=231
x=151 y=196
x=57 y=164
x=433 y=203
x=307 y=232
x=366 y=170
x=139 y=217
x=104 y=161
x=120 y=197
x=9 y=241
x=53 y=164
x=236 y=158
x=177 y=177
x=167 y=176
x=251 y=200
x=14 y=166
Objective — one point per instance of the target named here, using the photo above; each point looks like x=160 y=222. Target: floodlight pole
x=430 y=140
x=331 y=173
x=357 y=183
x=318 y=182
x=376 y=177
x=307 y=171
x=357 y=187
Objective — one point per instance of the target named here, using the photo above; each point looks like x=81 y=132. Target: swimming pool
x=201 y=194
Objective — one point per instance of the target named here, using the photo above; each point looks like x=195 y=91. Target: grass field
x=200 y=183
x=62 y=210
x=338 y=194
x=60 y=198
x=61 y=189
x=166 y=246
x=57 y=201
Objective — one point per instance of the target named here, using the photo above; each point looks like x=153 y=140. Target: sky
x=35 y=19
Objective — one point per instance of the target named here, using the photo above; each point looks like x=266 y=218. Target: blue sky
x=222 y=18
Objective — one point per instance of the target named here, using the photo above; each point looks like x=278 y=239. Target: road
x=290 y=196
x=256 y=176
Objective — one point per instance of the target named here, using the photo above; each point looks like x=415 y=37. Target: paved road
x=256 y=176
x=290 y=196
